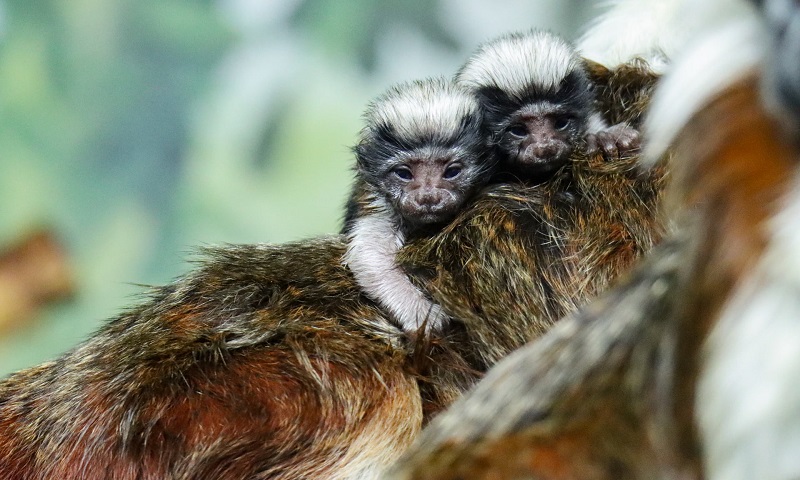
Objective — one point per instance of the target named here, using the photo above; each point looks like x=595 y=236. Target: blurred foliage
x=330 y=24
x=95 y=97
x=140 y=129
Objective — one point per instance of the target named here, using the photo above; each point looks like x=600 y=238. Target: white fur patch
x=748 y=401
x=428 y=107
x=373 y=244
x=595 y=123
x=515 y=62
x=654 y=30
x=717 y=61
x=633 y=29
x=379 y=443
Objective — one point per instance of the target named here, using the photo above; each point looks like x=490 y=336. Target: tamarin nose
x=429 y=198
x=545 y=150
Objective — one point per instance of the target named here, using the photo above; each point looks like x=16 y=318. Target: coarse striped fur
x=268 y=362
x=243 y=369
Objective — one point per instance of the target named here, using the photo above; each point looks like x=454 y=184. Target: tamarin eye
x=518 y=130
x=561 y=123
x=451 y=172
x=403 y=173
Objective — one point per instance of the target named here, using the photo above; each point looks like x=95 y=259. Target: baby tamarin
x=538 y=104
x=520 y=256
x=419 y=158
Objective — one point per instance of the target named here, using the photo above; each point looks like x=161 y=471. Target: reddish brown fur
x=210 y=387
x=267 y=362
x=740 y=171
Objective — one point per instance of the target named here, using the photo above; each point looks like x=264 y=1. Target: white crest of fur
x=654 y=30
x=749 y=391
x=372 y=246
x=717 y=61
x=514 y=62
x=426 y=107
x=633 y=29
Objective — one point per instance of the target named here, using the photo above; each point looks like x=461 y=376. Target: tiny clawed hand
x=613 y=141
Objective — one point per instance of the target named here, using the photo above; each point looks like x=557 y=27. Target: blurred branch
x=33 y=273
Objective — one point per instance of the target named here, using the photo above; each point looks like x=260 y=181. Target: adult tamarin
x=420 y=157
x=265 y=362
x=539 y=104
x=689 y=368
x=269 y=362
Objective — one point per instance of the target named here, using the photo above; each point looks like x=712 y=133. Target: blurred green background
x=138 y=130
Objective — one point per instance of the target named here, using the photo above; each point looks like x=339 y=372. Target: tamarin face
x=536 y=97
x=422 y=150
x=538 y=134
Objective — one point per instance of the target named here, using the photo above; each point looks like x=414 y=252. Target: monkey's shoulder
x=285 y=301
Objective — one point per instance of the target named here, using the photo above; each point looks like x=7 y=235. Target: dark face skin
x=538 y=138
x=533 y=134
x=428 y=188
x=426 y=179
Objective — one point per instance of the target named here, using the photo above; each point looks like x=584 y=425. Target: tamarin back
x=268 y=362
x=246 y=368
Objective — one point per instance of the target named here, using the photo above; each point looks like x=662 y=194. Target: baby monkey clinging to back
x=419 y=157
x=538 y=103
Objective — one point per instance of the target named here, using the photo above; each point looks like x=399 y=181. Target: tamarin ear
x=598 y=74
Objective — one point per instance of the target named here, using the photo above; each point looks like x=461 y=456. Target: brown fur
x=609 y=392
x=266 y=362
x=622 y=92
x=522 y=257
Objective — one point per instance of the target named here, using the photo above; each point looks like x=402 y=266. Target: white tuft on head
x=516 y=62
x=717 y=61
x=433 y=107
